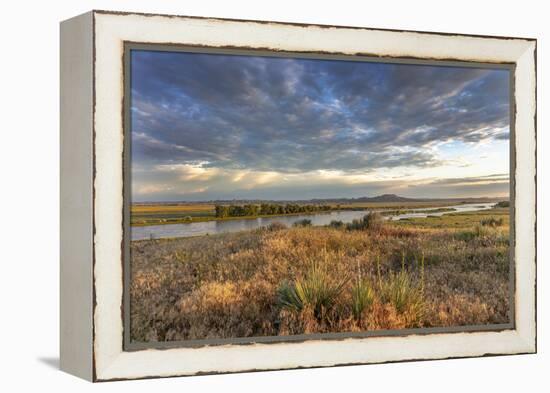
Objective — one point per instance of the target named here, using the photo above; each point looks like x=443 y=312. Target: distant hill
x=392 y=198
x=385 y=198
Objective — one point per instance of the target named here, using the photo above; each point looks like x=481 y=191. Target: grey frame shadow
x=129 y=345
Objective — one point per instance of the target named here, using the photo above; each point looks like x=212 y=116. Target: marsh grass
x=480 y=231
x=492 y=222
x=300 y=280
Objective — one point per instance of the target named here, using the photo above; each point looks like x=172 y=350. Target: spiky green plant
x=316 y=291
x=362 y=297
x=400 y=290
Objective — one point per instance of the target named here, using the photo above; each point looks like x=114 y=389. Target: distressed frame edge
x=527 y=340
x=305 y=25
x=526 y=123
x=76 y=196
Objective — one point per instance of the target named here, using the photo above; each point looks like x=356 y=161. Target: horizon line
x=321 y=199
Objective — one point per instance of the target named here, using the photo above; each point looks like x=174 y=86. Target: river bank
x=237 y=224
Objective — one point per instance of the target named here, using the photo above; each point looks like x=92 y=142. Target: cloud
x=188 y=182
x=477 y=180
x=292 y=116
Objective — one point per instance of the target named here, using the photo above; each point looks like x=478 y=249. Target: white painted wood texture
x=112 y=30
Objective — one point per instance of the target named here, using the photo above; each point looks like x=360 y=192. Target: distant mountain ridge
x=384 y=198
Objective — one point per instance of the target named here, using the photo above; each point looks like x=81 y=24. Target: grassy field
x=436 y=271
x=155 y=214
x=158 y=214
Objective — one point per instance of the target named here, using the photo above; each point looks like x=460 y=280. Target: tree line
x=266 y=209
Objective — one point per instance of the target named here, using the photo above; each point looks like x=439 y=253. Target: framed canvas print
x=245 y=195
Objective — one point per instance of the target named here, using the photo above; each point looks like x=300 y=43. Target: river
x=215 y=227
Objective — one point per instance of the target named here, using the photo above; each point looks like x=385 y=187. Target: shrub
x=355 y=225
x=479 y=231
x=503 y=204
x=276 y=226
x=372 y=221
x=303 y=223
x=336 y=224
x=315 y=291
x=482 y=231
x=492 y=222
x=465 y=236
x=362 y=297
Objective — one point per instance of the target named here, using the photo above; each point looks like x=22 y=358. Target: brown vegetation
x=299 y=280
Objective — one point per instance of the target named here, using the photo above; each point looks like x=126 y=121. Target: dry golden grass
x=166 y=208
x=229 y=285
x=155 y=214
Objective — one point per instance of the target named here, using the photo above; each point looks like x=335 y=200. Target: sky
x=208 y=127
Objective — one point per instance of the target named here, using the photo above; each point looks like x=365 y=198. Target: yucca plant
x=362 y=297
x=316 y=291
x=405 y=295
x=400 y=291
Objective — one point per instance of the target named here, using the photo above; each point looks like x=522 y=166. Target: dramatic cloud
x=280 y=125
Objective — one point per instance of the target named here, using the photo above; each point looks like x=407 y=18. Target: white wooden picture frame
x=92 y=195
